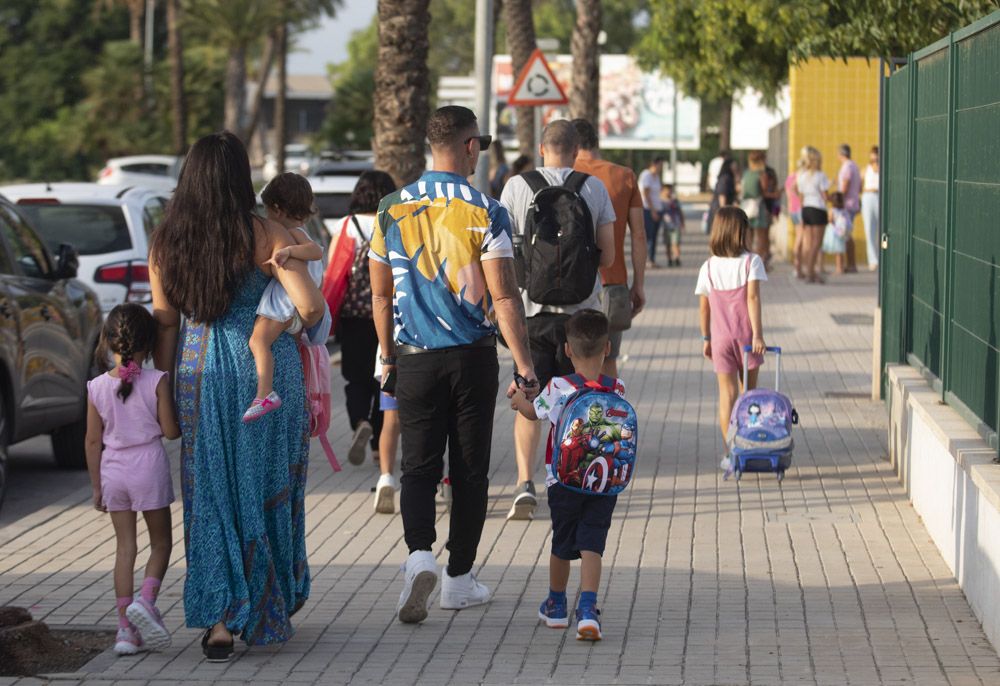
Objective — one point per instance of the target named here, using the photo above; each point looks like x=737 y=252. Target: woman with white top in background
x=869 y=208
x=812 y=184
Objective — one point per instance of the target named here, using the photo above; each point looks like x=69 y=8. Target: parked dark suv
x=49 y=324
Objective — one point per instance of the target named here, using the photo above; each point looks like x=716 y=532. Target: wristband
x=388 y=361
x=706 y=338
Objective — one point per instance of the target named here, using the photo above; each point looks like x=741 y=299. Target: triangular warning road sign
x=536 y=84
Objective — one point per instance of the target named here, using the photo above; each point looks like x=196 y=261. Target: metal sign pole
x=484 y=73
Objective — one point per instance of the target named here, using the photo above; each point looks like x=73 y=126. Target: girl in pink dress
x=729 y=291
x=128 y=410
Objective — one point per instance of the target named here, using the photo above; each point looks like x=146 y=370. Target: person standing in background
x=724 y=194
x=623 y=188
x=869 y=208
x=795 y=216
x=812 y=184
x=849 y=183
x=650 y=185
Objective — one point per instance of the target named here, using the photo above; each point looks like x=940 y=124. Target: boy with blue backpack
x=589 y=459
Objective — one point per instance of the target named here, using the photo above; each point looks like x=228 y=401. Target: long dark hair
x=128 y=331
x=372 y=186
x=204 y=247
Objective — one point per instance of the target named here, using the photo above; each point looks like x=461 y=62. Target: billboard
x=636 y=106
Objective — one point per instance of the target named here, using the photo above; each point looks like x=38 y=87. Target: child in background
x=288 y=199
x=835 y=236
x=128 y=410
x=729 y=292
x=673 y=223
x=580 y=522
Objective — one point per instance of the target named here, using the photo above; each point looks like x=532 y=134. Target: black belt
x=484 y=342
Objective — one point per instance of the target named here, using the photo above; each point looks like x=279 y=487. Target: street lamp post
x=484 y=70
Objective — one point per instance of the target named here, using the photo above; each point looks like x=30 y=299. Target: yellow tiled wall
x=832 y=102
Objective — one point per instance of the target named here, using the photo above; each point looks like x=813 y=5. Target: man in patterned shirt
x=441 y=264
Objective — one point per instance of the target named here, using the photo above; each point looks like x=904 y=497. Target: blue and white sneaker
x=554 y=614
x=588 y=624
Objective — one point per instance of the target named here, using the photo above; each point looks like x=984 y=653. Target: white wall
x=954 y=486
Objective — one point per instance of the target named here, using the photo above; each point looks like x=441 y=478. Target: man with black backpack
x=563 y=230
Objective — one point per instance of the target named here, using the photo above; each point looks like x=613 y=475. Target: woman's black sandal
x=215 y=652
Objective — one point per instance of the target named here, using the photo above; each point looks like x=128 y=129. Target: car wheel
x=68 y=445
x=3 y=450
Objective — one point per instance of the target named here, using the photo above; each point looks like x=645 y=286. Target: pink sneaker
x=258 y=408
x=147 y=620
x=128 y=641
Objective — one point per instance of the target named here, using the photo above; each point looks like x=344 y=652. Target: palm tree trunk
x=585 y=92
x=280 y=130
x=236 y=82
x=135 y=12
x=264 y=73
x=402 y=88
x=178 y=106
x=521 y=43
x=725 y=122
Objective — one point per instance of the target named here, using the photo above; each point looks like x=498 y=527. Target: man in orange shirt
x=627 y=202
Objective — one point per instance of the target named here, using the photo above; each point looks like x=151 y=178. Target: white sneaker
x=359 y=443
x=385 y=494
x=460 y=592
x=419 y=578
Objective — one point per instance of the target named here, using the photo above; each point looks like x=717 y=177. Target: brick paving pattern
x=829 y=578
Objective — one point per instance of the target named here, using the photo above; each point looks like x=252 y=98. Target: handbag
x=751 y=206
x=337 y=277
x=617 y=302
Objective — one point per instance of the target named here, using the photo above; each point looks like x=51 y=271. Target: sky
x=328 y=43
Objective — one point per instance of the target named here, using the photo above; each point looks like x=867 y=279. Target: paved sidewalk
x=829 y=578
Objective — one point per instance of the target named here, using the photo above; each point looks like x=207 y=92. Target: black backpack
x=560 y=255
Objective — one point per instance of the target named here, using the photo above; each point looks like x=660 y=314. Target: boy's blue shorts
x=388 y=402
x=579 y=521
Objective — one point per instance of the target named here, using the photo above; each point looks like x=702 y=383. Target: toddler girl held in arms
x=128 y=410
x=288 y=199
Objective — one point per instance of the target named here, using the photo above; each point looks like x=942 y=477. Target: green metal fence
x=940 y=279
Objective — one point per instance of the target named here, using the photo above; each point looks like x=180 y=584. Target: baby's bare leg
x=265 y=333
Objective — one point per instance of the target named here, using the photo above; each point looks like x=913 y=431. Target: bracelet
x=706 y=338
x=388 y=361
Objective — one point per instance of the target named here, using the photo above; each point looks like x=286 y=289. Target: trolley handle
x=776 y=349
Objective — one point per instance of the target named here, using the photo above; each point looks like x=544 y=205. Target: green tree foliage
x=349 y=120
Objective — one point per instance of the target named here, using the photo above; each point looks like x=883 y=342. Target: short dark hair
x=655 y=160
x=560 y=136
x=587 y=332
x=844 y=149
x=372 y=186
x=837 y=200
x=587 y=134
x=290 y=193
x=448 y=123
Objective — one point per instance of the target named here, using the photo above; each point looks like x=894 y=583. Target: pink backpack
x=316 y=367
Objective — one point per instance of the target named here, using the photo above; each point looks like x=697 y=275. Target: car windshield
x=333 y=205
x=91 y=229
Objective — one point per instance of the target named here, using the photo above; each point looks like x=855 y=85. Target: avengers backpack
x=594 y=441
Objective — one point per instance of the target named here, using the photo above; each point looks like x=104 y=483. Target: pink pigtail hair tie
x=129 y=372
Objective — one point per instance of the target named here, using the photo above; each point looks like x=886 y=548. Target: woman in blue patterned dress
x=243 y=484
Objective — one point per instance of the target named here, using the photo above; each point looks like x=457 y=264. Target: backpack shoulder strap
x=607 y=382
x=357 y=225
x=574 y=182
x=535 y=181
x=576 y=380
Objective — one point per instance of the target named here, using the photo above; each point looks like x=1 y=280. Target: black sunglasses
x=484 y=141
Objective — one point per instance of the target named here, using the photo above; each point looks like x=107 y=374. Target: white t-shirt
x=367 y=224
x=549 y=405
x=517 y=197
x=871 y=180
x=729 y=273
x=714 y=167
x=812 y=185
x=653 y=186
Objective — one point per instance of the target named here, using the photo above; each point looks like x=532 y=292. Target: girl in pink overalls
x=128 y=410
x=729 y=291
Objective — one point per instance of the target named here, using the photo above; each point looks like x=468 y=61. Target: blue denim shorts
x=388 y=402
x=579 y=521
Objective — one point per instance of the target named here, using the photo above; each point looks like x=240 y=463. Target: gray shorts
x=616 y=344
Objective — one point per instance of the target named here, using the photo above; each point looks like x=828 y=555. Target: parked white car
x=298 y=159
x=157 y=172
x=110 y=227
x=333 y=184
